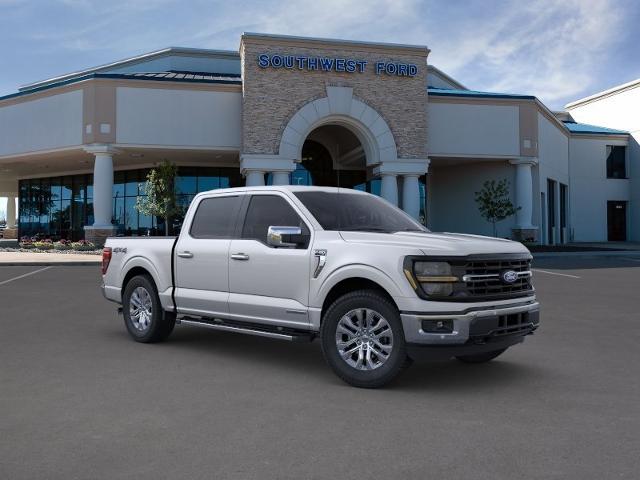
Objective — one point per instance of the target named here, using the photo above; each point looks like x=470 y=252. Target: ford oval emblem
x=509 y=276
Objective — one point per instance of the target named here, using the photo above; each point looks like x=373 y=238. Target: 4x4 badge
x=321 y=255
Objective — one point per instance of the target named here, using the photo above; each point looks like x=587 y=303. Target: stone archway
x=339 y=107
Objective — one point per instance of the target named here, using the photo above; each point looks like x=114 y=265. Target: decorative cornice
x=104 y=149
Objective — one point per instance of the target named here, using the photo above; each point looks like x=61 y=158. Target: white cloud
x=549 y=48
x=554 y=49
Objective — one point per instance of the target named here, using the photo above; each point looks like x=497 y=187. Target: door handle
x=185 y=254
x=239 y=256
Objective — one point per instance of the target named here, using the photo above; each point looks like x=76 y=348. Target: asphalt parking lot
x=79 y=399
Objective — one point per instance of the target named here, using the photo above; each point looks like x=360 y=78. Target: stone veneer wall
x=271 y=96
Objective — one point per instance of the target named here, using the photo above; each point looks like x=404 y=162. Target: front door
x=267 y=284
x=617 y=221
x=202 y=257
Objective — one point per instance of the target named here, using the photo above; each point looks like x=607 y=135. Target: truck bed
x=153 y=254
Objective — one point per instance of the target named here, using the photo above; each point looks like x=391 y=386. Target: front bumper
x=475 y=327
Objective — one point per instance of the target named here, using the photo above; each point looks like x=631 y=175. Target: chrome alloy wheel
x=141 y=309
x=364 y=339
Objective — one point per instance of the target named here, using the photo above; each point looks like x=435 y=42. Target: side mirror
x=289 y=237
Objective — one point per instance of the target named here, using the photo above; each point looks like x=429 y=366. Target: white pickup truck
x=294 y=262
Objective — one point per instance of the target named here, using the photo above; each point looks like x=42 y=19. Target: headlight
x=435 y=278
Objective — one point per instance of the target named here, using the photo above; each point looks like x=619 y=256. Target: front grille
x=483 y=278
x=480 y=277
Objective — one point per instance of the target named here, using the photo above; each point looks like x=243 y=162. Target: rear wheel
x=362 y=339
x=481 y=357
x=144 y=317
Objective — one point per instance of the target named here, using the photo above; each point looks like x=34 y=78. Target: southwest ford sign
x=341 y=65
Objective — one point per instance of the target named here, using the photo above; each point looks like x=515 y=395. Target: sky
x=558 y=50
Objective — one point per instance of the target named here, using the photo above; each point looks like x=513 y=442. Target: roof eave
x=130 y=61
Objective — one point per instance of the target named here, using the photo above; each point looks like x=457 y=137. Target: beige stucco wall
x=271 y=96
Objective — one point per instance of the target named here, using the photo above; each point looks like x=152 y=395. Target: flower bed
x=46 y=245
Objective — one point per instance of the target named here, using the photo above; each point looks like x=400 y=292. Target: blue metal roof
x=594 y=129
x=450 y=92
x=172 y=76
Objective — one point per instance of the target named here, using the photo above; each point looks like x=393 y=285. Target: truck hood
x=446 y=244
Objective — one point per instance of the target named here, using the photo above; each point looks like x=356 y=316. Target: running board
x=259 y=331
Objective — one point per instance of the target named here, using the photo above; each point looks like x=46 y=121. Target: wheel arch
x=353 y=284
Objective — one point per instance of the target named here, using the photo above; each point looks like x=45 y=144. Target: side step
x=248 y=329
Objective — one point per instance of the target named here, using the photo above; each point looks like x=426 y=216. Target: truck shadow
x=306 y=359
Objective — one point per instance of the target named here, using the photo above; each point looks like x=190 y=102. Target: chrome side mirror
x=282 y=236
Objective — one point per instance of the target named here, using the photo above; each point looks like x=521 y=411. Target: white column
x=103 y=190
x=280 y=178
x=254 y=178
x=524 y=193
x=11 y=212
x=389 y=188
x=411 y=195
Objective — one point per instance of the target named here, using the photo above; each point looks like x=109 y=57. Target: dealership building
x=75 y=149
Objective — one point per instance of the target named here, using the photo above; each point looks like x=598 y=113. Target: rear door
x=202 y=256
x=268 y=284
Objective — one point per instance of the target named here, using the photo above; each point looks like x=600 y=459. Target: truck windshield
x=356 y=212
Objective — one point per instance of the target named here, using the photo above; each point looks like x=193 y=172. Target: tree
x=494 y=203
x=160 y=199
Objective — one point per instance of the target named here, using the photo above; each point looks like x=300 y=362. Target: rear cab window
x=216 y=217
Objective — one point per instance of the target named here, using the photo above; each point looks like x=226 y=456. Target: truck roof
x=284 y=188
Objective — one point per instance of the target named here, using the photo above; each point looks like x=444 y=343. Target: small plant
x=160 y=198
x=62 y=245
x=494 y=203
x=83 y=246
x=45 y=244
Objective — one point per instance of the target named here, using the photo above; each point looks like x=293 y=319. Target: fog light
x=437 y=326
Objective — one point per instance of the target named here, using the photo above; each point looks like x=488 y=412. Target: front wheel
x=362 y=339
x=144 y=317
x=481 y=357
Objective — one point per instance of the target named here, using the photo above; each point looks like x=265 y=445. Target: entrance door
x=551 y=211
x=617 y=221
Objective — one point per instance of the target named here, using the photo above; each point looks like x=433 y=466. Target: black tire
x=397 y=359
x=160 y=323
x=481 y=357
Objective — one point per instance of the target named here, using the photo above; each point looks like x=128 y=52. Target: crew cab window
x=269 y=210
x=215 y=217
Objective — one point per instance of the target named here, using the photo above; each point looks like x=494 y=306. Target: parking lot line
x=25 y=275
x=555 y=273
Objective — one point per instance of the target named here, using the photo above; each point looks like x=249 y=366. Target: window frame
x=234 y=222
x=244 y=209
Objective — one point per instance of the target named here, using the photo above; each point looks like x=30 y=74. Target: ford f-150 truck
x=295 y=263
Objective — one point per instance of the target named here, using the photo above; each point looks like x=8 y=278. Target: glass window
x=118 y=184
x=130 y=216
x=616 y=161
x=67 y=188
x=131 y=183
x=215 y=217
x=90 y=186
x=356 y=212
x=208 y=183
x=269 y=210
x=186 y=181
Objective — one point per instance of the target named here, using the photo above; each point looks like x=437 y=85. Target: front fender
x=346 y=272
